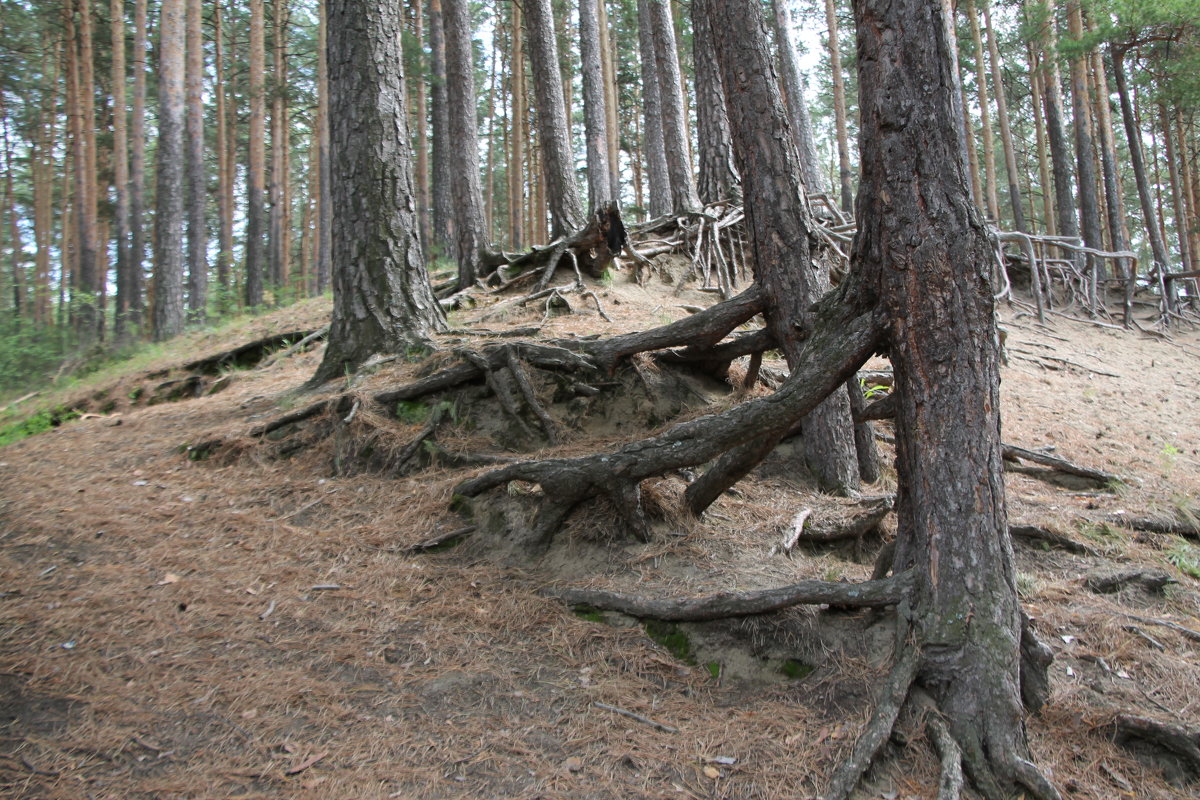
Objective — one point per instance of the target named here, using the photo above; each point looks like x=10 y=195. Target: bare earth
x=249 y=626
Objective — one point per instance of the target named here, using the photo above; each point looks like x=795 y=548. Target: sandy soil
x=252 y=627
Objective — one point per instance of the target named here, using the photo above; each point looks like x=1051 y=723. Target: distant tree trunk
x=612 y=123
x=845 y=178
x=197 y=189
x=1060 y=148
x=80 y=103
x=657 y=175
x=1177 y=211
x=420 y=115
x=168 y=214
x=467 y=246
x=778 y=219
x=257 y=144
x=1037 y=91
x=279 y=228
x=225 y=178
x=137 y=169
x=1136 y=159
x=120 y=149
x=382 y=299
x=441 y=180
x=1118 y=233
x=1085 y=164
x=1192 y=215
x=595 y=110
x=517 y=136
x=1006 y=139
x=718 y=175
x=566 y=215
x=793 y=86
x=324 y=203
x=985 y=115
x=674 y=118
x=43 y=185
x=20 y=297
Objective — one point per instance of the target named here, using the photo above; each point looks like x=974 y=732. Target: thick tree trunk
x=197 y=185
x=657 y=175
x=921 y=238
x=469 y=240
x=845 y=177
x=718 y=175
x=595 y=108
x=169 y=161
x=779 y=222
x=674 y=117
x=420 y=122
x=566 y=215
x=382 y=298
x=256 y=171
x=120 y=149
x=612 y=122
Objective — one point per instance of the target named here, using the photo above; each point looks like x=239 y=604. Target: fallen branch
x=632 y=715
x=1188 y=633
x=435 y=542
x=1012 y=452
x=722 y=605
x=1034 y=533
x=1152 y=580
x=1172 y=527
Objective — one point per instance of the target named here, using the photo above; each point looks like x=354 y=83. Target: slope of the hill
x=253 y=625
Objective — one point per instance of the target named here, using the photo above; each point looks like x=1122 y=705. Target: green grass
x=38 y=423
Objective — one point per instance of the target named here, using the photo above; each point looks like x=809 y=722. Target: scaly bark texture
x=137 y=166
x=324 y=204
x=778 y=218
x=382 y=298
x=566 y=214
x=920 y=234
x=442 y=183
x=845 y=179
x=793 y=84
x=718 y=175
x=168 y=216
x=466 y=247
x=120 y=163
x=279 y=229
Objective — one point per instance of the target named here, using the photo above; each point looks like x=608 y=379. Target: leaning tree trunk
x=845 y=179
x=566 y=215
x=382 y=301
x=469 y=239
x=793 y=83
x=718 y=175
x=779 y=221
x=921 y=238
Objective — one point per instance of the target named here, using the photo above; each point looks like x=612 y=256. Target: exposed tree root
x=1012 y=452
x=252 y=353
x=1152 y=580
x=855 y=528
x=723 y=605
x=1173 y=527
x=891 y=698
x=1040 y=535
x=950 y=782
x=1175 y=741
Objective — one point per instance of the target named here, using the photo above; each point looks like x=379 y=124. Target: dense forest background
x=166 y=163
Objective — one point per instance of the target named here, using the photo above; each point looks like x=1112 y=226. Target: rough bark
x=517 y=135
x=257 y=156
x=657 y=176
x=1085 y=156
x=1060 y=148
x=382 y=298
x=919 y=234
x=324 y=204
x=674 y=116
x=469 y=239
x=566 y=214
x=168 y=215
x=278 y=223
x=793 y=85
x=197 y=188
x=778 y=219
x=985 y=115
x=225 y=178
x=442 y=180
x=595 y=107
x=612 y=122
x=1006 y=139
x=718 y=175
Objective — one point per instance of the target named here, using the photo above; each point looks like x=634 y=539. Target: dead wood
x=308 y=412
x=247 y=355
x=1035 y=533
x=1188 y=633
x=1152 y=580
x=1173 y=527
x=442 y=540
x=855 y=528
x=883 y=408
x=724 y=605
x=1012 y=452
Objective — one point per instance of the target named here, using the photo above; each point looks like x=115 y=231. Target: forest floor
x=253 y=626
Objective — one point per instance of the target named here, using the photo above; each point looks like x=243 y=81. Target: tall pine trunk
x=279 y=222
x=466 y=248
x=120 y=151
x=169 y=160
x=256 y=211
x=197 y=184
x=674 y=116
x=657 y=175
x=595 y=108
x=224 y=161
x=797 y=105
x=845 y=178
x=718 y=174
